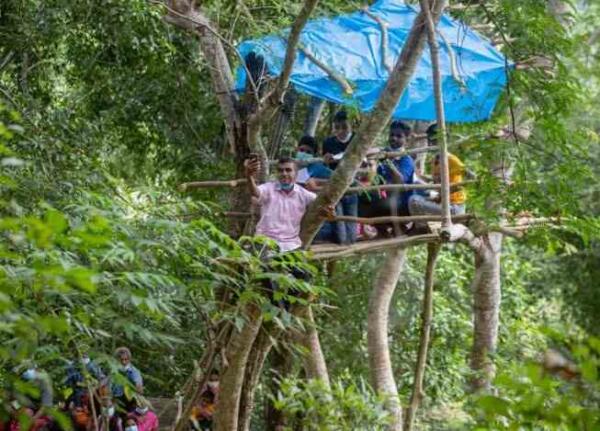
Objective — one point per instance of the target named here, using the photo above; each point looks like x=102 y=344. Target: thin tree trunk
x=314 y=361
x=238 y=350
x=281 y=367
x=315 y=109
x=260 y=350
x=377 y=334
x=486 y=310
x=427 y=315
x=371 y=126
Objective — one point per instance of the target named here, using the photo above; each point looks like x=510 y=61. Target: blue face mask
x=301 y=155
x=29 y=374
x=286 y=187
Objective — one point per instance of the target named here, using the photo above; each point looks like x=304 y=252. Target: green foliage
x=347 y=405
x=532 y=398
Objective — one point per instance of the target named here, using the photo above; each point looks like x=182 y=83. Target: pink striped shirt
x=281 y=214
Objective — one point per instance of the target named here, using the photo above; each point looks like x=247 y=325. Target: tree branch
x=292 y=46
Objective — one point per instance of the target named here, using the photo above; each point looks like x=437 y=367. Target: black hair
x=283 y=160
x=400 y=125
x=432 y=131
x=308 y=141
x=340 y=116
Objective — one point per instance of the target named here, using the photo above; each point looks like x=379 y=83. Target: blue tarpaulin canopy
x=473 y=71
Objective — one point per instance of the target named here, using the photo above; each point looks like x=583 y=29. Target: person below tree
x=202 y=414
x=333 y=151
x=108 y=419
x=124 y=396
x=420 y=204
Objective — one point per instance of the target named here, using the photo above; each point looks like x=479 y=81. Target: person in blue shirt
x=396 y=170
x=76 y=371
x=125 y=398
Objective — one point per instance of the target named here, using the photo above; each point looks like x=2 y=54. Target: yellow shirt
x=457 y=170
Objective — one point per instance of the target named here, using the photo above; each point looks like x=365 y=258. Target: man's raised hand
x=251 y=167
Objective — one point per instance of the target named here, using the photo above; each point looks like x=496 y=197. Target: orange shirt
x=457 y=170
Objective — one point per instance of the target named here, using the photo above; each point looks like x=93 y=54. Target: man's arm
x=252 y=166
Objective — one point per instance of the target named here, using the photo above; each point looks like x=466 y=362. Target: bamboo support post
x=441 y=117
x=328 y=70
x=426 y=320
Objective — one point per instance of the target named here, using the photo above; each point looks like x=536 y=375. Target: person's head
x=213 y=380
x=307 y=147
x=31 y=372
x=432 y=132
x=123 y=355
x=107 y=407
x=342 y=129
x=131 y=423
x=399 y=134
x=286 y=173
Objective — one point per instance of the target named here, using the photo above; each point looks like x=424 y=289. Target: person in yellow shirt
x=420 y=204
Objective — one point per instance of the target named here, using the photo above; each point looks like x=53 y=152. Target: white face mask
x=108 y=411
x=213 y=385
x=30 y=374
x=85 y=360
x=125 y=367
x=141 y=410
x=131 y=428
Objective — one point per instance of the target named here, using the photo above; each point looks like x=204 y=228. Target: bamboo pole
x=384 y=38
x=396 y=187
x=441 y=116
x=400 y=219
x=370 y=246
x=336 y=76
x=426 y=319
x=209 y=184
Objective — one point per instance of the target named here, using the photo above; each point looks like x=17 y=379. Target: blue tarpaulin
x=351 y=45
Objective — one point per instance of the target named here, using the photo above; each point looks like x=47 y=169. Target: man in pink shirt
x=282 y=203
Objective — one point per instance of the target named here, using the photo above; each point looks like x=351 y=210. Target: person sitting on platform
x=312 y=177
x=420 y=204
x=396 y=170
x=333 y=151
x=283 y=203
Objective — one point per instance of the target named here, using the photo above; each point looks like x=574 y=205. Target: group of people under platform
x=96 y=400
x=283 y=202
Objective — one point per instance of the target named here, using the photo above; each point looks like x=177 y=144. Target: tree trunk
x=314 y=361
x=260 y=350
x=486 y=310
x=238 y=350
x=281 y=367
x=426 y=318
x=371 y=126
x=377 y=334
x=315 y=108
